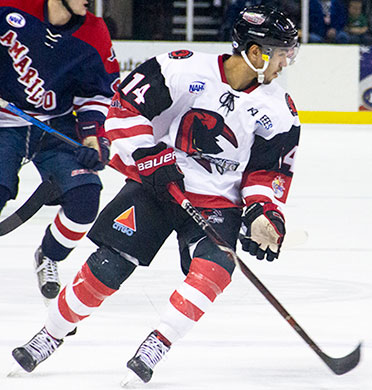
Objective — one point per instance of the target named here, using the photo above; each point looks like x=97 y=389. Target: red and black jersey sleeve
x=269 y=172
x=145 y=89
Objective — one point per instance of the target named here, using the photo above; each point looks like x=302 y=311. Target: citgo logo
x=126 y=222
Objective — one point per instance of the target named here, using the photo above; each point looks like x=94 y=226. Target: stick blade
x=344 y=364
x=46 y=192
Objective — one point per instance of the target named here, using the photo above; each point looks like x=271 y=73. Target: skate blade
x=14 y=371
x=295 y=238
x=132 y=381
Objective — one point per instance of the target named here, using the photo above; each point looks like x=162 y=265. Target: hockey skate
x=39 y=348
x=47 y=275
x=150 y=352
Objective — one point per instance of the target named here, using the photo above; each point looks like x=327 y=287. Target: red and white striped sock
x=76 y=301
x=191 y=300
x=67 y=232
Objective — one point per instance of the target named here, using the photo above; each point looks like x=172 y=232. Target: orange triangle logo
x=127 y=219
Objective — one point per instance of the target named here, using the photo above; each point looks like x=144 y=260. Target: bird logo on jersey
x=197 y=135
x=126 y=222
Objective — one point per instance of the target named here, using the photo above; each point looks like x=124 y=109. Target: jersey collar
x=221 y=59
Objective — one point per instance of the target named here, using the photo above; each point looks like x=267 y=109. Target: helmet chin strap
x=259 y=71
x=66 y=5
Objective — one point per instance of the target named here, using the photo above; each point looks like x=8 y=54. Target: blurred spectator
x=153 y=19
x=319 y=20
x=357 y=29
x=327 y=21
x=233 y=7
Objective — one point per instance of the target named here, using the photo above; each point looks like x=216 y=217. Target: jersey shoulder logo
x=180 y=54
x=16 y=20
x=291 y=105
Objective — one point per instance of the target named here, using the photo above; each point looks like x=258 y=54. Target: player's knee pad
x=109 y=267
x=80 y=204
x=206 y=249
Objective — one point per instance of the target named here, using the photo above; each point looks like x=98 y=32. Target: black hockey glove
x=265 y=231
x=157 y=168
x=95 y=152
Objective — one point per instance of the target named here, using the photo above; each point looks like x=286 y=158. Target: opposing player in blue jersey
x=57 y=64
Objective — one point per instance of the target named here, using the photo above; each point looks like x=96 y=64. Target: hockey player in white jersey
x=222 y=129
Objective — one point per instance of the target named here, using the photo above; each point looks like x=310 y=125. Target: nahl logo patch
x=197 y=87
x=126 y=222
x=16 y=20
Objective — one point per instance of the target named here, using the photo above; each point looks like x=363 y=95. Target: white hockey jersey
x=231 y=145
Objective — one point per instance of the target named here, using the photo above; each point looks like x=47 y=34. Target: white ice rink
x=242 y=342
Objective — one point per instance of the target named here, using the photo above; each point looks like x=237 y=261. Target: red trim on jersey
x=32 y=7
x=128 y=170
x=68 y=314
x=185 y=307
x=91 y=103
x=256 y=199
x=95 y=33
x=66 y=232
x=267 y=178
x=121 y=108
x=88 y=289
x=115 y=134
x=207 y=277
x=210 y=201
x=221 y=60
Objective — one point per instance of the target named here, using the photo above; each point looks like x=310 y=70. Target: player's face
x=79 y=7
x=278 y=61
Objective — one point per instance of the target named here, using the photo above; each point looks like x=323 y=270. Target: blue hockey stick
x=47 y=191
x=43 y=126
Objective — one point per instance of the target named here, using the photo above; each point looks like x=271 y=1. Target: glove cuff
x=90 y=128
x=274 y=209
x=148 y=165
x=141 y=153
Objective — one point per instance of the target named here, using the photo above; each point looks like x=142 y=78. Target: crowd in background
x=330 y=21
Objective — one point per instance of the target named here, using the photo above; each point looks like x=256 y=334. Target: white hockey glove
x=265 y=231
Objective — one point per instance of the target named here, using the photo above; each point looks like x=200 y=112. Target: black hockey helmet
x=265 y=26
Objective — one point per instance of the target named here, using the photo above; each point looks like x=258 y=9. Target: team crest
x=278 y=186
x=126 y=222
x=198 y=136
x=291 y=105
x=180 y=54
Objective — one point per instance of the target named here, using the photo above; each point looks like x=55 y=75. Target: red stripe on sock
x=88 y=289
x=68 y=314
x=71 y=235
x=185 y=307
x=207 y=277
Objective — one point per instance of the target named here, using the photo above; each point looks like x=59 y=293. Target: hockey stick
x=46 y=192
x=338 y=365
x=43 y=126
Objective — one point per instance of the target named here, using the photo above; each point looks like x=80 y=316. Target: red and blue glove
x=95 y=152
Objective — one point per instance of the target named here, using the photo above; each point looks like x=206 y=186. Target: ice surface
x=242 y=342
